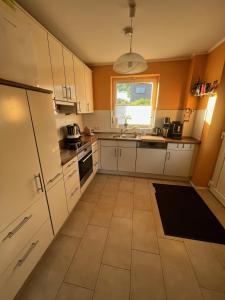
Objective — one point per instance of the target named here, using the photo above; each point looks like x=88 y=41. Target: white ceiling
x=92 y=29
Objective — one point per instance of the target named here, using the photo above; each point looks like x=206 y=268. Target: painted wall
x=211 y=140
x=173 y=75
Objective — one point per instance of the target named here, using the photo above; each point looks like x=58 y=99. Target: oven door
x=85 y=167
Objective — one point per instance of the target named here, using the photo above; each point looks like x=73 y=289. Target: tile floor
x=113 y=248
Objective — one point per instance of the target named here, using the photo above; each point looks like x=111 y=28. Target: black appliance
x=85 y=164
x=73 y=140
x=175 y=130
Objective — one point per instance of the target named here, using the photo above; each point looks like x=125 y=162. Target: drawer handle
x=72 y=174
x=54 y=178
x=70 y=164
x=95 y=164
x=17 y=228
x=74 y=192
x=30 y=249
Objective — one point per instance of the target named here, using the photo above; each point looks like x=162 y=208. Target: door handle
x=39 y=183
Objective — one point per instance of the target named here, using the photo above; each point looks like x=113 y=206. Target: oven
x=85 y=164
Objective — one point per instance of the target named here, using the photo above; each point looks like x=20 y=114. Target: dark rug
x=184 y=214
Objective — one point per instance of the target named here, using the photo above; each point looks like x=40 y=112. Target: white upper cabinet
x=43 y=118
x=42 y=56
x=17 y=60
x=21 y=181
x=69 y=73
x=80 y=85
x=88 y=89
x=58 y=72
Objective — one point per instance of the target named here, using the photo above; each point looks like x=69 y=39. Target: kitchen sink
x=125 y=136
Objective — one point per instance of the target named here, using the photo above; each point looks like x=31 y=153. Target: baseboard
x=196 y=187
x=217 y=195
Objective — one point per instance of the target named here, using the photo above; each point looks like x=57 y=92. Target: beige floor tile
x=50 y=271
x=112 y=284
x=144 y=232
x=103 y=212
x=124 y=205
x=118 y=245
x=89 y=197
x=85 y=266
x=78 y=220
x=72 y=292
x=110 y=188
x=146 y=277
x=127 y=184
x=178 y=273
x=114 y=178
x=208 y=270
x=142 y=202
x=219 y=251
x=212 y=295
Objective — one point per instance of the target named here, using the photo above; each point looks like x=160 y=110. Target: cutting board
x=151 y=138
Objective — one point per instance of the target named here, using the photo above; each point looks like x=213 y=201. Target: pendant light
x=131 y=62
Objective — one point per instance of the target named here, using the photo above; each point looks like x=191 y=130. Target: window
x=134 y=101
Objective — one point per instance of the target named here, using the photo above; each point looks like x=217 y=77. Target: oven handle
x=86 y=157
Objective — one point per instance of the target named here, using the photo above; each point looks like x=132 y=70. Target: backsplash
x=62 y=120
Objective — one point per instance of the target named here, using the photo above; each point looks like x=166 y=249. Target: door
x=150 y=160
x=80 y=85
x=43 y=118
x=126 y=159
x=21 y=182
x=178 y=163
x=57 y=205
x=17 y=61
x=88 y=89
x=109 y=158
x=69 y=73
x=42 y=56
x=221 y=181
x=58 y=72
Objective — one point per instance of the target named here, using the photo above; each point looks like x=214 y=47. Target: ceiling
x=163 y=29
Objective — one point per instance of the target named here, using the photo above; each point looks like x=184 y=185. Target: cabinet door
x=69 y=73
x=17 y=61
x=57 y=205
x=58 y=72
x=80 y=85
x=19 y=164
x=42 y=56
x=109 y=158
x=178 y=163
x=126 y=159
x=88 y=89
x=150 y=160
x=43 y=118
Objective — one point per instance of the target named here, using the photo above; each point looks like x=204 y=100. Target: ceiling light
x=130 y=62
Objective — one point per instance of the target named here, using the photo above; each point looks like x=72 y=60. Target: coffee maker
x=166 y=127
x=73 y=136
x=175 y=130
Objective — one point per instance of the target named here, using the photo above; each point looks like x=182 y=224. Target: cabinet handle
x=64 y=88
x=17 y=228
x=30 y=249
x=54 y=178
x=95 y=164
x=70 y=93
x=115 y=152
x=76 y=189
x=78 y=106
x=168 y=156
x=120 y=152
x=70 y=164
x=71 y=174
x=39 y=183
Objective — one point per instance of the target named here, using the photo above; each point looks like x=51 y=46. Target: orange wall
x=211 y=140
x=173 y=76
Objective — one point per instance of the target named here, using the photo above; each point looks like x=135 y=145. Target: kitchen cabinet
x=69 y=74
x=126 y=159
x=43 y=118
x=95 y=155
x=150 y=160
x=17 y=60
x=80 y=85
x=42 y=56
x=20 y=172
x=179 y=160
x=109 y=158
x=88 y=89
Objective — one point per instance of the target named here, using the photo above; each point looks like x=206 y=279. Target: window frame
x=135 y=78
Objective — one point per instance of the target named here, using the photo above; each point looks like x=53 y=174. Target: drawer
x=70 y=165
x=73 y=197
x=15 y=275
x=71 y=180
x=94 y=147
x=127 y=144
x=108 y=143
x=15 y=236
x=180 y=146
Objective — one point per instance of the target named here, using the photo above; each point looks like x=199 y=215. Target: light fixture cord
x=131 y=34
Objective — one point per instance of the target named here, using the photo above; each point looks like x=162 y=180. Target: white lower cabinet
x=109 y=158
x=95 y=156
x=178 y=162
x=57 y=205
x=126 y=159
x=150 y=160
x=18 y=271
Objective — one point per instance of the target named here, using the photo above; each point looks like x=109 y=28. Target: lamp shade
x=130 y=63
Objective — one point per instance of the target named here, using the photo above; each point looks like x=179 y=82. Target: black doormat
x=184 y=214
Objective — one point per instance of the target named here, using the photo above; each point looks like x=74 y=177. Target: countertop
x=67 y=155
